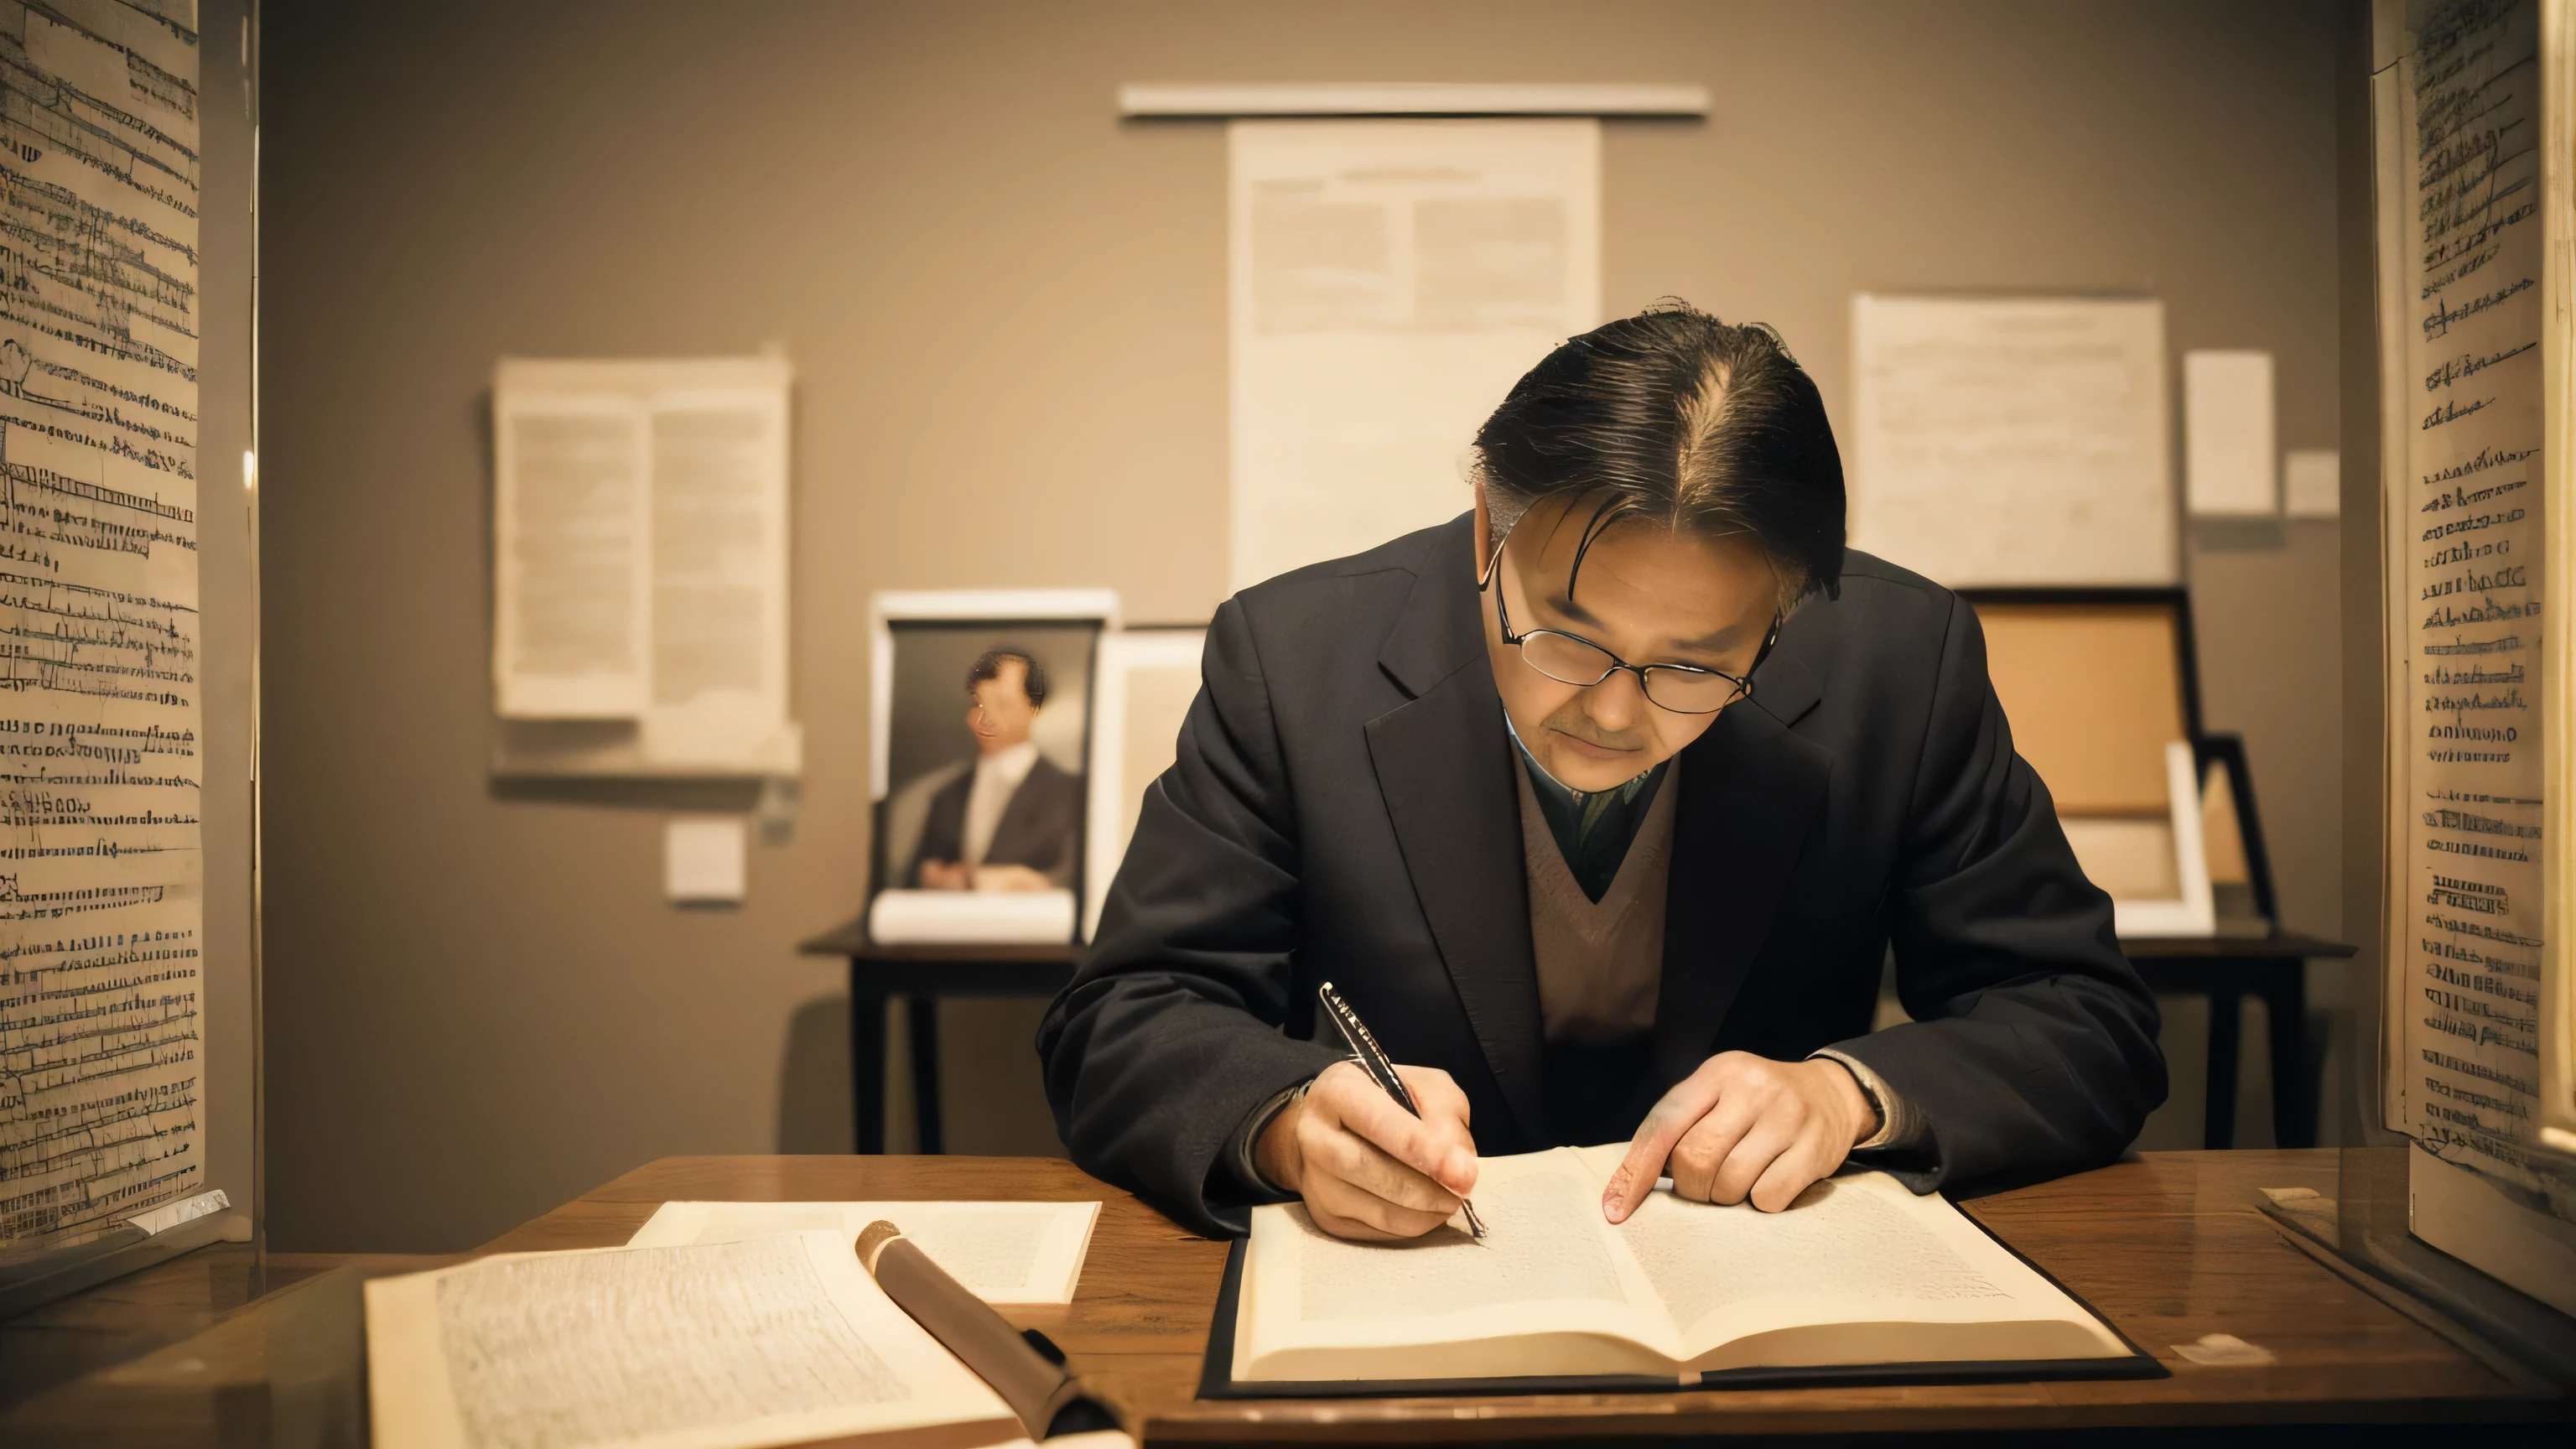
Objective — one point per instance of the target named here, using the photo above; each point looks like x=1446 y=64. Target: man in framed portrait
x=1013 y=821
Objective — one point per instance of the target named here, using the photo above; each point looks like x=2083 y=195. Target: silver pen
x=1372 y=1059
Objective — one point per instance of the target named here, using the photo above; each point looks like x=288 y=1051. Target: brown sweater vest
x=1600 y=963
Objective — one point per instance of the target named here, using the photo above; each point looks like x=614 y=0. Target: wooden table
x=2227 y=969
x=921 y=975
x=2168 y=1246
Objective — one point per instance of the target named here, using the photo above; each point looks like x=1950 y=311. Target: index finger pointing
x=1680 y=1109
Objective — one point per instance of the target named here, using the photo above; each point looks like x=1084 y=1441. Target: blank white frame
x=1121 y=655
x=2196 y=913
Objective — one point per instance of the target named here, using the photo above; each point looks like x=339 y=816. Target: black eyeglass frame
x=1644 y=672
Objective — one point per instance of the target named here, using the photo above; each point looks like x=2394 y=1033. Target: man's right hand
x=1367 y=1168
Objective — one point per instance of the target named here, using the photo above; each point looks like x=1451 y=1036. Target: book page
x=770 y=1341
x=719 y=572
x=1857 y=1248
x=1546 y=1273
x=1004 y=1252
x=573 y=474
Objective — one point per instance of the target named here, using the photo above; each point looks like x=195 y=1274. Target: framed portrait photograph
x=982 y=715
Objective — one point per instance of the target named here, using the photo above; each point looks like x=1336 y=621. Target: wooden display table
x=921 y=975
x=2227 y=969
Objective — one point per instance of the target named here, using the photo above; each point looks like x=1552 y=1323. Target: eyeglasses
x=1573 y=659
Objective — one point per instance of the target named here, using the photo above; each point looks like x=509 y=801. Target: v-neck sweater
x=1600 y=963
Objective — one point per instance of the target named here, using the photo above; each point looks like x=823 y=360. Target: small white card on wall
x=703 y=860
x=2312 y=483
x=2228 y=425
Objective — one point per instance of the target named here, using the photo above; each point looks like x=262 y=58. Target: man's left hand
x=1743 y=1127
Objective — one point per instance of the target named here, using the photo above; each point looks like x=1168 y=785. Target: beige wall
x=1006 y=309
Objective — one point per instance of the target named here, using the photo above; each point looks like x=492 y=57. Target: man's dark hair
x=988 y=665
x=1675 y=418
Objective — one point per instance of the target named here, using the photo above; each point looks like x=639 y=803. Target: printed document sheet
x=1004 y=1252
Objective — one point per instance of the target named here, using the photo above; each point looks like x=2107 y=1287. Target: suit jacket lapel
x=1444 y=766
x=1749 y=792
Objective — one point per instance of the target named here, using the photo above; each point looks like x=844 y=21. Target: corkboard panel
x=2093 y=693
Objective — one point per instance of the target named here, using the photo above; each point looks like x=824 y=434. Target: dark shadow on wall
x=992 y=1098
x=990 y=1088
x=2178 y=1125
x=814 y=1079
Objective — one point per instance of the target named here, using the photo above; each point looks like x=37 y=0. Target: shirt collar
x=1548 y=784
x=1593 y=829
x=1010 y=766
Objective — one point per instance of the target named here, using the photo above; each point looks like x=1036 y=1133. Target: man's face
x=1646 y=595
x=1001 y=714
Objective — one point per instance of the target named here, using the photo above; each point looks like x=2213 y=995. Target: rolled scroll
x=1047 y=1398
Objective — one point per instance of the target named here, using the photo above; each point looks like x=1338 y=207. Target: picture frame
x=923 y=646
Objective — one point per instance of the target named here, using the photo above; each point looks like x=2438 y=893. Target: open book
x=1859 y=1272
x=770 y=1341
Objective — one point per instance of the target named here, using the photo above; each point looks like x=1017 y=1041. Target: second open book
x=1859 y=1272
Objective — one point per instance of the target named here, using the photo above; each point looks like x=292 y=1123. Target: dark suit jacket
x=1343 y=809
x=1041 y=828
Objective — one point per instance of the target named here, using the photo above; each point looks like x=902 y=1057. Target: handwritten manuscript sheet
x=2461 y=313
x=101 y=1057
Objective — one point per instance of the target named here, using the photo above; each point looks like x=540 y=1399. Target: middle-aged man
x=1603 y=806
